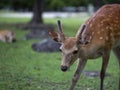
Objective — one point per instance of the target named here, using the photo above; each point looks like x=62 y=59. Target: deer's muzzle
x=64 y=68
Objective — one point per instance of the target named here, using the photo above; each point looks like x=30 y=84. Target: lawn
x=23 y=69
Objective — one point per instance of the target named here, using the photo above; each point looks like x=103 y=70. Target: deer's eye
x=75 y=52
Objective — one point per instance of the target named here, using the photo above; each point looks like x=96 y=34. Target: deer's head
x=69 y=47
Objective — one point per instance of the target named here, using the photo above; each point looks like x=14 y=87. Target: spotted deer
x=95 y=38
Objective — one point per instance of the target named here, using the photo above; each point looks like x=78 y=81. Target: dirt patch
x=92 y=74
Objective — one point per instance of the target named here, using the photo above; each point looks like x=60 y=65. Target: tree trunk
x=37 y=12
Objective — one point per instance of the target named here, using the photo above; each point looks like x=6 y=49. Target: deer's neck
x=90 y=52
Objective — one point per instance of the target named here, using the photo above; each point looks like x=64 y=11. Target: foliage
x=112 y=1
x=76 y=2
x=52 y=4
x=17 y=4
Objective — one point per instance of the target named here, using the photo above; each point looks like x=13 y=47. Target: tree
x=54 y=4
x=112 y=1
x=37 y=12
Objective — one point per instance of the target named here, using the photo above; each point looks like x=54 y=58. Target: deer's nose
x=64 y=68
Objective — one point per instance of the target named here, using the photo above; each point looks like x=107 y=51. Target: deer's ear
x=54 y=35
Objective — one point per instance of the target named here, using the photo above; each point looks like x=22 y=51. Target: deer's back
x=104 y=26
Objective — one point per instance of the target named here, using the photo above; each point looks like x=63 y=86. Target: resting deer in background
x=96 y=38
x=7 y=36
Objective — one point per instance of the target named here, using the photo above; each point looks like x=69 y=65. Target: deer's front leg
x=105 y=60
x=81 y=64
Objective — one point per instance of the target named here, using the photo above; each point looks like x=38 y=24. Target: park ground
x=23 y=69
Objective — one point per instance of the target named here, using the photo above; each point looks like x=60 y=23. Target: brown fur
x=69 y=43
x=7 y=36
x=103 y=23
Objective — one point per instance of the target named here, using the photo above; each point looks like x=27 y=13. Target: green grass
x=23 y=69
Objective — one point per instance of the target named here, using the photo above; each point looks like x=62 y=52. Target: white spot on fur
x=107 y=27
x=111 y=35
x=101 y=38
x=111 y=28
x=101 y=22
x=98 y=32
x=102 y=29
x=90 y=25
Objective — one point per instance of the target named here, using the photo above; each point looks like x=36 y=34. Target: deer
x=96 y=37
x=7 y=36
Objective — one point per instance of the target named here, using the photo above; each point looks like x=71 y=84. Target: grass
x=23 y=69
